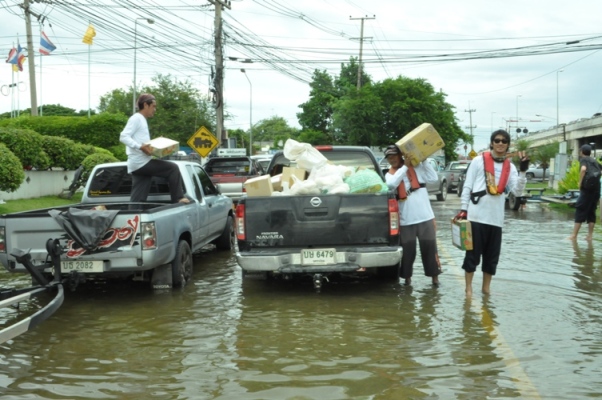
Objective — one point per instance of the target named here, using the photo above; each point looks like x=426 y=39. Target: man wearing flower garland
x=489 y=176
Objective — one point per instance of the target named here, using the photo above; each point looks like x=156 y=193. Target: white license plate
x=82 y=266
x=318 y=257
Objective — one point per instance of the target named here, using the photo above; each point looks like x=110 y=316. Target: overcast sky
x=501 y=59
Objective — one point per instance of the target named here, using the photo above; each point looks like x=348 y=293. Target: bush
x=100 y=130
x=27 y=146
x=11 y=171
x=571 y=179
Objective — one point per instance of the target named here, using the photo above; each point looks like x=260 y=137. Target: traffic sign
x=203 y=141
x=472 y=154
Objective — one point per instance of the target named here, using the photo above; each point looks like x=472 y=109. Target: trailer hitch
x=14 y=296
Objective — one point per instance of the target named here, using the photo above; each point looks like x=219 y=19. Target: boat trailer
x=40 y=285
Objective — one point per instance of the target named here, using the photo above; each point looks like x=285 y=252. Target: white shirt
x=417 y=207
x=490 y=209
x=134 y=135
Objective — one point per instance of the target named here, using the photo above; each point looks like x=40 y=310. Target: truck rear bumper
x=289 y=261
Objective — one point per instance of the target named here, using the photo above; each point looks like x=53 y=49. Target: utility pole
x=31 y=59
x=359 y=66
x=471 y=127
x=218 y=82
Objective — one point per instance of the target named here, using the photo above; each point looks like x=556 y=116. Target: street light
x=557 y=99
x=250 y=111
x=150 y=21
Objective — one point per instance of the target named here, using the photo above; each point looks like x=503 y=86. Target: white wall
x=40 y=183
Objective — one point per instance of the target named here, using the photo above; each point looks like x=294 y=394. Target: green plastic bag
x=366 y=181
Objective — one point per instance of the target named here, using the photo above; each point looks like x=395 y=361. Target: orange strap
x=492 y=188
x=401 y=189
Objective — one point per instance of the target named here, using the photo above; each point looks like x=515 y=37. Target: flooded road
x=537 y=336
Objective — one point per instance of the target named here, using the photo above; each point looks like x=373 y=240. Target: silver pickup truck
x=106 y=236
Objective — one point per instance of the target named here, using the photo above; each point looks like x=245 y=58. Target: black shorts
x=585 y=207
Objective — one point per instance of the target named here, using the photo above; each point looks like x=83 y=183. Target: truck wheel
x=181 y=266
x=227 y=239
x=513 y=202
x=443 y=194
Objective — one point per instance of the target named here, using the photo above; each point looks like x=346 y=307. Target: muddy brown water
x=537 y=336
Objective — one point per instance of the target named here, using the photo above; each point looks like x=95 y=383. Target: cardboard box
x=260 y=186
x=276 y=183
x=289 y=172
x=461 y=234
x=163 y=147
x=419 y=144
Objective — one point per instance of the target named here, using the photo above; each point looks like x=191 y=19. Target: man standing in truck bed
x=417 y=218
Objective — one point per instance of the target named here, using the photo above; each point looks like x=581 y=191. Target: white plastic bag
x=303 y=154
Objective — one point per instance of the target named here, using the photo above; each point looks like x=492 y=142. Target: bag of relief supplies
x=366 y=181
x=303 y=154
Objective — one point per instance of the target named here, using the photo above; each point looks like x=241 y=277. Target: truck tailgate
x=317 y=221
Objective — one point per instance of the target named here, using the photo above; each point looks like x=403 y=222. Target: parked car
x=536 y=172
x=263 y=160
x=230 y=173
x=452 y=172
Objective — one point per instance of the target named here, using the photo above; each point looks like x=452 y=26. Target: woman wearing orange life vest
x=417 y=219
x=488 y=177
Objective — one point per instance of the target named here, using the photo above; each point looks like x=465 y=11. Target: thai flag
x=46 y=46
x=12 y=56
x=20 y=57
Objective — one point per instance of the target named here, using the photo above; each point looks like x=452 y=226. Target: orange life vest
x=414 y=184
x=492 y=188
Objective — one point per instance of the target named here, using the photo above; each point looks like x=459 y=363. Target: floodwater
x=537 y=336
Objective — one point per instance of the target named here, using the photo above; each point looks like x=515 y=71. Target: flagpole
x=13 y=114
x=41 y=87
x=89 y=81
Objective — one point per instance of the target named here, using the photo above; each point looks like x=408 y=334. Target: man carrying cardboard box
x=417 y=219
x=140 y=163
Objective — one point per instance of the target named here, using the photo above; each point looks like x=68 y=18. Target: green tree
x=358 y=117
x=543 y=155
x=181 y=109
x=317 y=111
x=11 y=171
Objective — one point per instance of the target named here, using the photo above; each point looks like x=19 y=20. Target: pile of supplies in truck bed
x=314 y=174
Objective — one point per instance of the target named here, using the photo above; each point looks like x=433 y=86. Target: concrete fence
x=40 y=183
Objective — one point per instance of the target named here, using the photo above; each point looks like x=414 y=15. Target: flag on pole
x=20 y=58
x=89 y=35
x=46 y=46
x=12 y=56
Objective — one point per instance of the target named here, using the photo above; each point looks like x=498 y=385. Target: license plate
x=318 y=257
x=82 y=266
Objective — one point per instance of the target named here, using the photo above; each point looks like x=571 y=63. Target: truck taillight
x=240 y=222
x=2 y=240
x=393 y=217
x=148 y=235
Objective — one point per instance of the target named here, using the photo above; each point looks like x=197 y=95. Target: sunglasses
x=498 y=141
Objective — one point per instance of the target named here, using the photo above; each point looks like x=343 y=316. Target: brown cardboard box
x=163 y=146
x=420 y=143
x=276 y=183
x=289 y=172
x=461 y=234
x=260 y=186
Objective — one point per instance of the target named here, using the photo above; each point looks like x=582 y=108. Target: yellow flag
x=89 y=35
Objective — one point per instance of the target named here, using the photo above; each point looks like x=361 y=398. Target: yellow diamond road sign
x=203 y=141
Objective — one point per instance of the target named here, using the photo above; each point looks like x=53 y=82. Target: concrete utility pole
x=31 y=58
x=471 y=127
x=359 y=66
x=218 y=82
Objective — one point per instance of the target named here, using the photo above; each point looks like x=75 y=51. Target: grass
x=12 y=206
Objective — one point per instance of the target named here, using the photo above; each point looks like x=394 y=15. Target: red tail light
x=323 y=147
x=240 y=222
x=393 y=217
